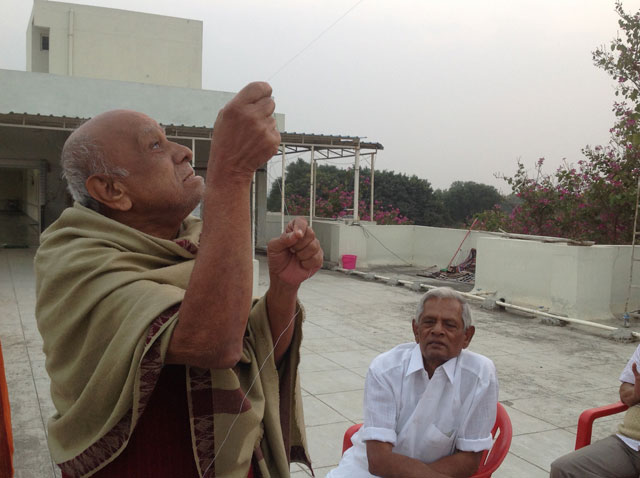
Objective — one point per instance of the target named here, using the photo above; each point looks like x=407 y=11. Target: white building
x=91 y=42
x=85 y=60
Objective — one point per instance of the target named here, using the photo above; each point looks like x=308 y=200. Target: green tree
x=411 y=196
x=464 y=199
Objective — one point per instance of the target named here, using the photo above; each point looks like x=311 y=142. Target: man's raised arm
x=215 y=310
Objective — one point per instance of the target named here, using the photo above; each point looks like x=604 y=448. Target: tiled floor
x=548 y=375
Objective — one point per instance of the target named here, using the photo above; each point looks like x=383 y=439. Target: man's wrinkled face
x=440 y=332
x=161 y=179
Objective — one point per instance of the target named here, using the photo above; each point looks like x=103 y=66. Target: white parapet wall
x=584 y=282
x=375 y=245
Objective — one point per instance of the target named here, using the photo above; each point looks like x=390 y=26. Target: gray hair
x=81 y=158
x=446 y=293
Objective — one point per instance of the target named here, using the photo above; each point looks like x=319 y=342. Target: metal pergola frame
x=327 y=147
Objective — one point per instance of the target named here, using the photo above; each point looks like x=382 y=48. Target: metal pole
x=356 y=186
x=70 y=34
x=633 y=255
x=284 y=160
x=373 y=155
x=193 y=151
x=312 y=191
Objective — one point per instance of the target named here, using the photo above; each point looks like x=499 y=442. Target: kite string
x=244 y=398
x=290 y=60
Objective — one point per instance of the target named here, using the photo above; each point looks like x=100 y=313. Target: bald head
x=86 y=153
x=121 y=164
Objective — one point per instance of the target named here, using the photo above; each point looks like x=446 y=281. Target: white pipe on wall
x=506 y=305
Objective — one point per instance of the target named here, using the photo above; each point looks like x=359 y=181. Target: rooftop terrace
x=547 y=374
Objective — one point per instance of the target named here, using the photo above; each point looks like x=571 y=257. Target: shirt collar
x=416 y=363
x=450 y=367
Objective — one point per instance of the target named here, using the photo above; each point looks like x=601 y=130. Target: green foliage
x=396 y=195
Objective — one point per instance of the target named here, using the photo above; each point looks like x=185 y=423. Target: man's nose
x=437 y=327
x=182 y=154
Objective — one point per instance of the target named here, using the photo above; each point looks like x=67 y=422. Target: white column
x=312 y=190
x=373 y=155
x=284 y=160
x=356 y=185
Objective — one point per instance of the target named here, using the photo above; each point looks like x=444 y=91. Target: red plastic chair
x=491 y=459
x=585 y=422
x=6 y=437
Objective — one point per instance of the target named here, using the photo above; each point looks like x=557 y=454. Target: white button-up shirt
x=628 y=377
x=424 y=418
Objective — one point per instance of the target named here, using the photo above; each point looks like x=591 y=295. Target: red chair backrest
x=491 y=459
x=500 y=447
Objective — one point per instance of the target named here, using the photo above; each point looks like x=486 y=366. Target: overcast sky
x=453 y=89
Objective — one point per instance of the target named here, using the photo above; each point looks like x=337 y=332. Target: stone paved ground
x=548 y=375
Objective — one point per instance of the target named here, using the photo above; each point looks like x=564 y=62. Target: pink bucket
x=349 y=261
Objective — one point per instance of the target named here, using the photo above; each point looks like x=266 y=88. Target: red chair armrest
x=346 y=441
x=585 y=422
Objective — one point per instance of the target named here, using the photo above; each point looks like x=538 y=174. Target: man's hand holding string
x=293 y=257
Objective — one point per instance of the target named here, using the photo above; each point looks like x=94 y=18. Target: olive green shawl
x=107 y=302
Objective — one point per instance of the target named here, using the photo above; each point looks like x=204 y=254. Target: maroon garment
x=160 y=445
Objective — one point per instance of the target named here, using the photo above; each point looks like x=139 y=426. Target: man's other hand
x=630 y=392
x=245 y=134
x=296 y=255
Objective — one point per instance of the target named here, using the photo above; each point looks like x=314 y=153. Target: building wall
x=583 y=282
x=37 y=58
x=95 y=42
x=56 y=95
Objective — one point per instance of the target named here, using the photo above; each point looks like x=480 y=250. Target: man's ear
x=109 y=192
x=468 y=335
x=415 y=330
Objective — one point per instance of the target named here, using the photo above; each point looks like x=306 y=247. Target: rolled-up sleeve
x=380 y=414
x=475 y=433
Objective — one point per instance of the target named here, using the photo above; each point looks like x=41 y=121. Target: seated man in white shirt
x=429 y=406
x=617 y=456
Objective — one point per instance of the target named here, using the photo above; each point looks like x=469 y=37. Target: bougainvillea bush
x=338 y=202
x=594 y=199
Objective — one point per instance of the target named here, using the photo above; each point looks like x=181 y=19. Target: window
x=44 y=42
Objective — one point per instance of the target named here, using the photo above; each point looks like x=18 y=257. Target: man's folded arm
x=385 y=463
